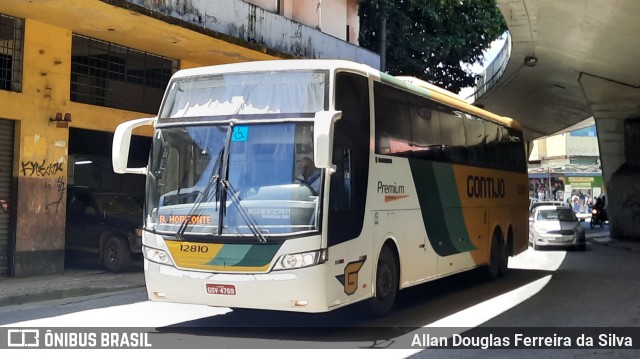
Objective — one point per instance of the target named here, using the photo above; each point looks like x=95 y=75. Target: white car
x=556 y=226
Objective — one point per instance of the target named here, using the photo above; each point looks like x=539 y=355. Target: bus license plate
x=223 y=289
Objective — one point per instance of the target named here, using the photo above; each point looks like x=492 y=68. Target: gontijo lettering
x=485 y=187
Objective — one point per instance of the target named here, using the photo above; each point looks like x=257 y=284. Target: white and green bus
x=410 y=184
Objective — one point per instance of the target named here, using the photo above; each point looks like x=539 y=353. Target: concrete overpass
x=571 y=60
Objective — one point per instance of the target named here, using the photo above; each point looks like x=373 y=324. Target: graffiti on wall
x=631 y=203
x=40 y=169
x=60 y=187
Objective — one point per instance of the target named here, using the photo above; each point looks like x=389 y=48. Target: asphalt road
x=547 y=288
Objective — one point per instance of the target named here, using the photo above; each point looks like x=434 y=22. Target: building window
x=11 y=40
x=110 y=75
x=585 y=132
x=583 y=161
x=280 y=7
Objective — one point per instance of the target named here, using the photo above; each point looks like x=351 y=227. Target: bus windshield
x=266 y=182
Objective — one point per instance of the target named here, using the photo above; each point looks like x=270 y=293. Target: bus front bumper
x=300 y=290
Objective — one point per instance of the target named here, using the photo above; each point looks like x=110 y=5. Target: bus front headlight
x=301 y=260
x=157 y=256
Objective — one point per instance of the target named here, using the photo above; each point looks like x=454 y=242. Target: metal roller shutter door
x=6 y=169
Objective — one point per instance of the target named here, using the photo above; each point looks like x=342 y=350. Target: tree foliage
x=428 y=39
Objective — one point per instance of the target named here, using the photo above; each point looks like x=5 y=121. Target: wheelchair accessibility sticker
x=240 y=134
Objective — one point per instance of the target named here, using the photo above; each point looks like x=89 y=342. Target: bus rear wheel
x=386 y=284
x=499 y=258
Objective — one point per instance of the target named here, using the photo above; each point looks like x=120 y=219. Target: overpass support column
x=616 y=109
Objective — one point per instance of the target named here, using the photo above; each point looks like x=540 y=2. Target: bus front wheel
x=386 y=284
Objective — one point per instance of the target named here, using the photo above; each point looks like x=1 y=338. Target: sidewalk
x=74 y=282
x=602 y=237
x=632 y=246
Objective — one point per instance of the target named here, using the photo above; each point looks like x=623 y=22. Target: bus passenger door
x=348 y=233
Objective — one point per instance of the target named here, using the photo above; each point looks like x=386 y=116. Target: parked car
x=105 y=223
x=556 y=226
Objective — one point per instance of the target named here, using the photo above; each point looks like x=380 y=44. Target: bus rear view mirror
x=122 y=142
x=323 y=137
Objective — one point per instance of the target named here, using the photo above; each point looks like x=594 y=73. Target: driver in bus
x=309 y=174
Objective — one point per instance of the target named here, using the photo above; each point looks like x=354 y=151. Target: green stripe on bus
x=391 y=80
x=440 y=204
x=245 y=255
x=259 y=255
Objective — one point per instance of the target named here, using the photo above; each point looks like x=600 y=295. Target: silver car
x=555 y=226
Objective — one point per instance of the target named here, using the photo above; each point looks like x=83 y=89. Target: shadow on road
x=416 y=307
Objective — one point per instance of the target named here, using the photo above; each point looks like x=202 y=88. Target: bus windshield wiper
x=246 y=216
x=229 y=190
x=205 y=195
x=221 y=195
x=213 y=180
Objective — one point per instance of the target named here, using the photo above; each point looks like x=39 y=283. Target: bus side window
x=453 y=138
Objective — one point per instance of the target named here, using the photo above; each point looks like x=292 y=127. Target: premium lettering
x=390 y=188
